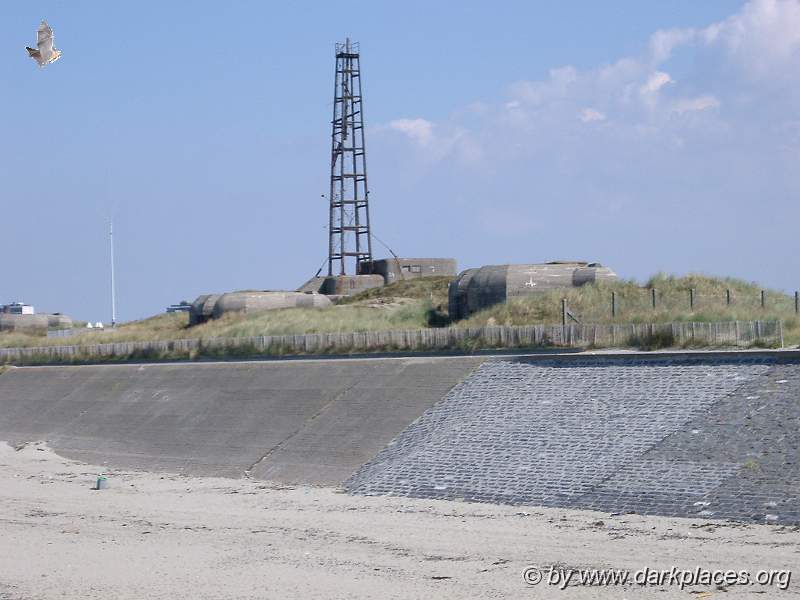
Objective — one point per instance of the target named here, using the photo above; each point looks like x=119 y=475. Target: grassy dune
x=407 y=314
x=422 y=303
x=592 y=304
x=432 y=289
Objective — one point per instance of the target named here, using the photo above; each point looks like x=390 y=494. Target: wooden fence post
x=728 y=297
x=653 y=297
x=763 y=299
x=563 y=312
x=691 y=299
x=614 y=303
x=797 y=303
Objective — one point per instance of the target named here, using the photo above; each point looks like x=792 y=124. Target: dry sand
x=166 y=536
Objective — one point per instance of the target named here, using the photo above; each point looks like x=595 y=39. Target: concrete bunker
x=341 y=285
x=377 y=273
x=37 y=324
x=477 y=289
x=399 y=269
x=213 y=306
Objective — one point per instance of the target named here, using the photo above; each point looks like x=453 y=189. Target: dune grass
x=420 y=303
x=410 y=314
x=353 y=317
x=433 y=289
x=161 y=327
x=592 y=304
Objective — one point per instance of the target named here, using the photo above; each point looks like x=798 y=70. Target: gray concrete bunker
x=338 y=286
x=480 y=288
x=34 y=324
x=377 y=273
x=213 y=306
x=400 y=269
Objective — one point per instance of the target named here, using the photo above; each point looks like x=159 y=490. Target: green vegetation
x=432 y=289
x=374 y=316
x=420 y=303
x=412 y=304
x=161 y=327
x=379 y=316
x=592 y=304
x=751 y=464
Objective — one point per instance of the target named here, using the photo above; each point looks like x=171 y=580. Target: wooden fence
x=734 y=333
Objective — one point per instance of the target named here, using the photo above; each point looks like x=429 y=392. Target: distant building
x=21 y=317
x=183 y=306
x=17 y=308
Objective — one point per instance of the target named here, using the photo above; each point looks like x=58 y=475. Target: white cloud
x=564 y=75
x=591 y=114
x=539 y=92
x=655 y=82
x=617 y=152
x=436 y=142
x=547 y=117
x=419 y=130
x=762 y=38
x=664 y=41
x=695 y=104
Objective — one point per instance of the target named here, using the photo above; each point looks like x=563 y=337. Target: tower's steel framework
x=348 y=228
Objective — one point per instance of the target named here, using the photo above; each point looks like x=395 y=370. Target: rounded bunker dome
x=476 y=289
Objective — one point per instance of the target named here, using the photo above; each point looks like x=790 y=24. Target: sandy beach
x=165 y=536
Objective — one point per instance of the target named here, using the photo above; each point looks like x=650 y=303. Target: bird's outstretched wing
x=33 y=53
x=44 y=39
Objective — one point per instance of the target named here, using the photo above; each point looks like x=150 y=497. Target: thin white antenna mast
x=113 y=283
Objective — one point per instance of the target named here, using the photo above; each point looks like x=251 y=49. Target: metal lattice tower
x=348 y=227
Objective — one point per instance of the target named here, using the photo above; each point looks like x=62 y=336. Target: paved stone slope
x=671 y=438
x=311 y=422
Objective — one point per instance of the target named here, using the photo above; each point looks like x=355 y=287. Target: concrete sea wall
x=294 y=422
x=687 y=434
x=701 y=438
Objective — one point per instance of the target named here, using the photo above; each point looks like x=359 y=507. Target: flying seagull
x=45 y=52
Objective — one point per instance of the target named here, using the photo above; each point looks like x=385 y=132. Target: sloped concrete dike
x=294 y=422
x=701 y=436
x=718 y=440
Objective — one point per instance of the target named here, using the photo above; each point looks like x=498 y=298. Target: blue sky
x=650 y=136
